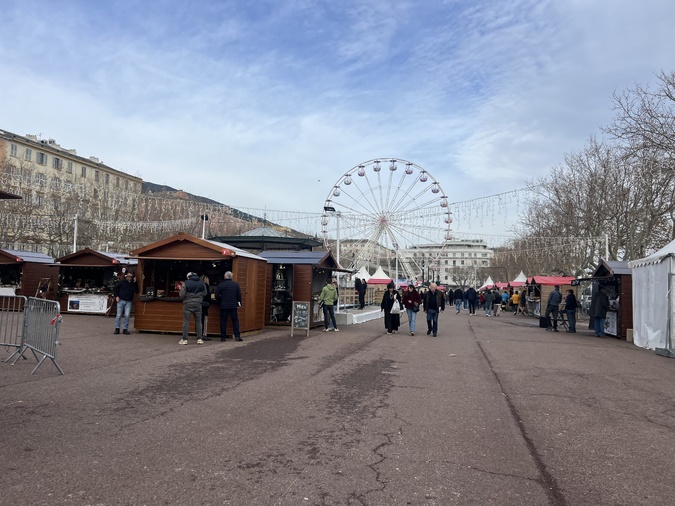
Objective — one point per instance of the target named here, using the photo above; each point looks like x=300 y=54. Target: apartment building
x=455 y=262
x=56 y=184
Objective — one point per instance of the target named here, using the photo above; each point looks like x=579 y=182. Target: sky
x=266 y=104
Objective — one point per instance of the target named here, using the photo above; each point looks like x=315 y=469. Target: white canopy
x=362 y=273
x=521 y=278
x=379 y=277
x=488 y=284
x=653 y=299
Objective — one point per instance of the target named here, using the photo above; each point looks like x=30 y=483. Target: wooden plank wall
x=32 y=273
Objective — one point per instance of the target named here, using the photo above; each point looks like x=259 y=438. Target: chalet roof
x=317 y=258
x=608 y=268
x=25 y=256
x=219 y=249
x=263 y=232
x=105 y=257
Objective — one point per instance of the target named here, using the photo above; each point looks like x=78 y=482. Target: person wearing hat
x=411 y=301
x=192 y=293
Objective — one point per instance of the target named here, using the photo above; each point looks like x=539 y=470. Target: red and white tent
x=379 y=278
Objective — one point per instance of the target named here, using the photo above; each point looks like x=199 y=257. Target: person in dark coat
x=598 y=311
x=472 y=297
x=552 y=307
x=228 y=295
x=391 y=320
x=361 y=286
x=571 y=310
x=434 y=303
x=192 y=293
x=124 y=291
x=459 y=297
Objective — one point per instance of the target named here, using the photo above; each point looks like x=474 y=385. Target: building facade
x=59 y=189
x=455 y=262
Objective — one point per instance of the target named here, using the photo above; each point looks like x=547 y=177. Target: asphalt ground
x=492 y=411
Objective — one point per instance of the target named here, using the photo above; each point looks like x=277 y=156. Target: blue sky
x=266 y=104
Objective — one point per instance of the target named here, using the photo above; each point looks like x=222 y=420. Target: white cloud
x=269 y=106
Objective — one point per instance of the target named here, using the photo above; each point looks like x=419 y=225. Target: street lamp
x=331 y=209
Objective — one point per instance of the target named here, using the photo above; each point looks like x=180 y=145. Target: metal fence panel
x=12 y=323
x=41 y=330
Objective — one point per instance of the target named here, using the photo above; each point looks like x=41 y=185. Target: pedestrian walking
x=124 y=291
x=412 y=300
x=571 y=311
x=472 y=297
x=515 y=301
x=489 y=299
x=392 y=306
x=328 y=298
x=228 y=295
x=459 y=298
x=192 y=293
x=434 y=303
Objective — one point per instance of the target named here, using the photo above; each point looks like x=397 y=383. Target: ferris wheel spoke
x=381 y=215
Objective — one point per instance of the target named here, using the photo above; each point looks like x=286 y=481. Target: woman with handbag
x=392 y=307
x=411 y=302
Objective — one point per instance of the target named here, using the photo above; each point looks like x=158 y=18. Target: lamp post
x=205 y=218
x=331 y=209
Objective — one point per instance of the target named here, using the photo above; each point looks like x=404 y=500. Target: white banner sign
x=87 y=303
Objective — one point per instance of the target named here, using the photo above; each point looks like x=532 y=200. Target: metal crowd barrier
x=12 y=322
x=40 y=331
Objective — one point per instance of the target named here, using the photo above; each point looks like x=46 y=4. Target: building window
x=41 y=158
x=69 y=167
x=107 y=179
x=28 y=155
x=96 y=176
x=84 y=171
x=57 y=163
x=454 y=263
x=126 y=185
x=462 y=262
x=40 y=179
x=117 y=181
x=13 y=150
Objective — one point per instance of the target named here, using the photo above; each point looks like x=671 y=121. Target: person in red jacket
x=411 y=302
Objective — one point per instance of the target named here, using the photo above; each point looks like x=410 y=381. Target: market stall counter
x=87 y=278
x=163 y=266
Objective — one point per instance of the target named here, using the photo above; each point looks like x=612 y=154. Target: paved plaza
x=492 y=411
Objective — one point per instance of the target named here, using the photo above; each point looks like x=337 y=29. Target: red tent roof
x=551 y=280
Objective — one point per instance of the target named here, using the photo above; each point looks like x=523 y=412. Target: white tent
x=488 y=284
x=379 y=278
x=653 y=299
x=521 y=278
x=362 y=273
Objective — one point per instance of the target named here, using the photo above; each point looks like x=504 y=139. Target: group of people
x=597 y=311
x=432 y=302
x=196 y=298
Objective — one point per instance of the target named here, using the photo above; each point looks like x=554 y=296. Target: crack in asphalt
x=546 y=480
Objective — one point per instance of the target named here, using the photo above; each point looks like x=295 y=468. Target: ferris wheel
x=387 y=212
